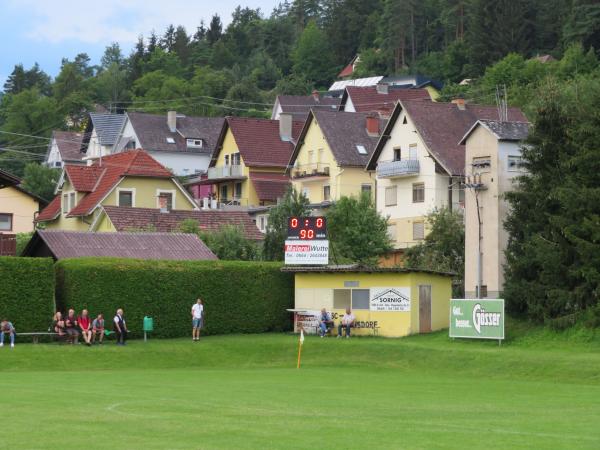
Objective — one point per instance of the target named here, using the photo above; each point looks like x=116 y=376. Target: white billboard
x=307 y=252
x=390 y=299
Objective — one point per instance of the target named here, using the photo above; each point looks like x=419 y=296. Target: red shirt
x=84 y=322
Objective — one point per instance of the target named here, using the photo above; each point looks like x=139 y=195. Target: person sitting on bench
x=325 y=322
x=85 y=325
x=347 y=322
x=58 y=324
x=98 y=328
x=7 y=328
x=71 y=327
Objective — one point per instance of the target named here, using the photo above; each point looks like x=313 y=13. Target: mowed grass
x=538 y=390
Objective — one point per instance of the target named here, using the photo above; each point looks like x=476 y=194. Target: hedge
x=27 y=292
x=239 y=296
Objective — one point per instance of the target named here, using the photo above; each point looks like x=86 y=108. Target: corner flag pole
x=300 y=346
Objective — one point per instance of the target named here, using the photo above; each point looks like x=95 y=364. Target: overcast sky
x=47 y=30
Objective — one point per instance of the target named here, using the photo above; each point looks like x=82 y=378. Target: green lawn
x=539 y=390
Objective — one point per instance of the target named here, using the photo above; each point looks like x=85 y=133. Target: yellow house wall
x=21 y=206
x=343 y=181
x=69 y=223
x=315 y=291
x=146 y=195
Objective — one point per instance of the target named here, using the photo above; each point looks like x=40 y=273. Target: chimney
x=460 y=103
x=373 y=125
x=315 y=95
x=285 y=126
x=172 y=121
x=382 y=89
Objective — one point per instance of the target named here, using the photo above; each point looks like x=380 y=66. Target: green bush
x=27 y=292
x=239 y=296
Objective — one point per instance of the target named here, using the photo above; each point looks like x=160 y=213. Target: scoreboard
x=307 y=228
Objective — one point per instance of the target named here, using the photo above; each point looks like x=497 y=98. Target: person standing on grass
x=197 y=318
x=7 y=327
x=347 y=322
x=120 y=327
x=71 y=327
x=98 y=329
x=85 y=325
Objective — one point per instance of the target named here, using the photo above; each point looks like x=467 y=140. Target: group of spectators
x=326 y=323
x=70 y=327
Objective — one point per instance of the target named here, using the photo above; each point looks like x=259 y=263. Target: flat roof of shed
x=356 y=268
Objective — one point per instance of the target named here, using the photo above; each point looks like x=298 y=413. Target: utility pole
x=475 y=185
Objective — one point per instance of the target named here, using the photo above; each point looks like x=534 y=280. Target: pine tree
x=215 y=30
x=167 y=42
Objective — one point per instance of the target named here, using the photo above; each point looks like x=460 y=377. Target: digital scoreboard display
x=307 y=228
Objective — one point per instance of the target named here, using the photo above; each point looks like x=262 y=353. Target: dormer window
x=195 y=143
x=170 y=140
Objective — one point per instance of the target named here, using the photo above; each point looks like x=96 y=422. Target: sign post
x=477 y=319
x=306 y=242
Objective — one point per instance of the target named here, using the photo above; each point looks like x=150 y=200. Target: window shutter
x=391 y=195
x=418 y=231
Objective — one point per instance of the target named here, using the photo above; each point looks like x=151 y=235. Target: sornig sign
x=477 y=318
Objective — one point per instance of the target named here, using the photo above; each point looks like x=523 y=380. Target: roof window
x=196 y=143
x=361 y=149
x=170 y=140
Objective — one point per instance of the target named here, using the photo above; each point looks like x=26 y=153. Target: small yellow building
x=18 y=207
x=130 y=179
x=249 y=163
x=331 y=154
x=390 y=302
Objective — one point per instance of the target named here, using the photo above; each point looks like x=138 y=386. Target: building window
x=226 y=160
x=262 y=223
x=126 y=198
x=235 y=159
x=366 y=188
x=195 y=143
x=65 y=203
x=515 y=163
x=6 y=222
x=484 y=291
x=238 y=190
x=404 y=121
x=360 y=299
x=391 y=231
x=170 y=140
x=391 y=196
x=166 y=199
x=418 y=231
x=481 y=164
x=361 y=149
x=397 y=154
x=412 y=152
x=326 y=193
x=341 y=298
x=223 y=192
x=418 y=192
x=311 y=156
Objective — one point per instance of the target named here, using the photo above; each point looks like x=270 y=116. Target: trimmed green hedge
x=239 y=296
x=27 y=292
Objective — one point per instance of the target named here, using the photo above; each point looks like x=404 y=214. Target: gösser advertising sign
x=306 y=252
x=477 y=318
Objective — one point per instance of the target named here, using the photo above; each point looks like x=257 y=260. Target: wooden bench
x=36 y=336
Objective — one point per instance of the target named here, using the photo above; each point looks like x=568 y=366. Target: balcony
x=398 y=169
x=310 y=170
x=232 y=172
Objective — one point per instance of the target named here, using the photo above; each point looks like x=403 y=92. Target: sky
x=45 y=31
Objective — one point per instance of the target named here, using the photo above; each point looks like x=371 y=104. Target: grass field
x=539 y=390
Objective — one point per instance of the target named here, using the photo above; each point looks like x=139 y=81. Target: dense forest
x=301 y=45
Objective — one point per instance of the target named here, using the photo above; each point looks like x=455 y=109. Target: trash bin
x=148 y=326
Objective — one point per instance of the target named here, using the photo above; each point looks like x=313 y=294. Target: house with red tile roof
x=419 y=162
x=132 y=178
x=248 y=167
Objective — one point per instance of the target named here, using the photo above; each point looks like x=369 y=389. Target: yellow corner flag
x=300 y=347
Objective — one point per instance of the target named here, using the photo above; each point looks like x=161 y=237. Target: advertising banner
x=477 y=318
x=390 y=299
x=306 y=252
x=307 y=321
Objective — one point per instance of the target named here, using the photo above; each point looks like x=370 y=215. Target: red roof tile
x=366 y=99
x=346 y=71
x=259 y=142
x=51 y=211
x=269 y=186
x=111 y=169
x=126 y=219
x=83 y=178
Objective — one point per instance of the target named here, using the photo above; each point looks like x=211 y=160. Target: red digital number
x=294 y=223
x=302 y=234
x=310 y=234
x=319 y=222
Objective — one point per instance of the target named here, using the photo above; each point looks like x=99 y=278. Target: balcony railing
x=235 y=172
x=310 y=170
x=396 y=169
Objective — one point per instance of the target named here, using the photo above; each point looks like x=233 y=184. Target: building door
x=424 y=309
